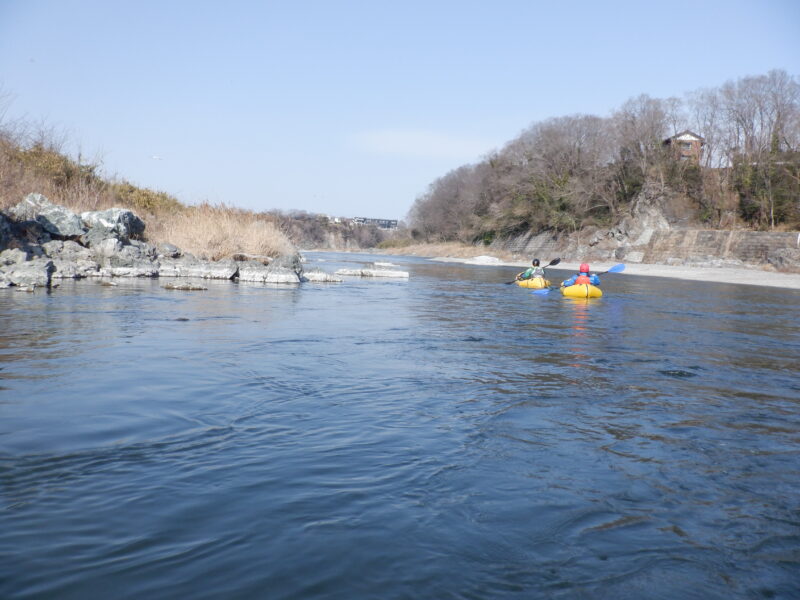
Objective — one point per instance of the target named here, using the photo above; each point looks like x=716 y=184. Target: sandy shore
x=752 y=276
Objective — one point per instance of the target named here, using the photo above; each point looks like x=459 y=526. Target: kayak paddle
x=552 y=263
x=615 y=269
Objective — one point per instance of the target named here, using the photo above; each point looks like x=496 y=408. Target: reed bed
x=219 y=231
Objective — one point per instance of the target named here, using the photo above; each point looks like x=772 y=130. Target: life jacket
x=582 y=279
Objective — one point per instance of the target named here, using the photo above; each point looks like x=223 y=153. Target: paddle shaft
x=615 y=269
x=552 y=263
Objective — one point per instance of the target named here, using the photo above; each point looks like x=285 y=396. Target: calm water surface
x=442 y=437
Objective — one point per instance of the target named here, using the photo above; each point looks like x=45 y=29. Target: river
x=445 y=436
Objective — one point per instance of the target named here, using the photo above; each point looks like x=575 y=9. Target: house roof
x=685 y=135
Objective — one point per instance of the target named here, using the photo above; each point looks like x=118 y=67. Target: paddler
x=583 y=276
x=534 y=271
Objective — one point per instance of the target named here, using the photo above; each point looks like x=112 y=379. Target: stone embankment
x=655 y=233
x=41 y=243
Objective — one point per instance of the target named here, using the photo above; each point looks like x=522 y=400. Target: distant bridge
x=379 y=223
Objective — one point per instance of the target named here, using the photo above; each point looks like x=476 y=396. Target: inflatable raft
x=534 y=283
x=582 y=290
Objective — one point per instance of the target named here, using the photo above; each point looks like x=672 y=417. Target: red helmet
x=584 y=268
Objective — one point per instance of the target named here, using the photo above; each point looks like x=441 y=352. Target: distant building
x=379 y=223
x=686 y=145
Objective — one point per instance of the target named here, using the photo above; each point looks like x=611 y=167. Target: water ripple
x=446 y=436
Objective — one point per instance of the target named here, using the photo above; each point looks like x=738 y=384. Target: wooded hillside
x=568 y=172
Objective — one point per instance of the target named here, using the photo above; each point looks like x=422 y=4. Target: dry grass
x=207 y=231
x=216 y=232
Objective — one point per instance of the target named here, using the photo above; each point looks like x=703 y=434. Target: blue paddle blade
x=542 y=292
x=617 y=268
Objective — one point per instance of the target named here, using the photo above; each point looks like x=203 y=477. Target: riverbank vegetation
x=32 y=159
x=566 y=173
x=315 y=231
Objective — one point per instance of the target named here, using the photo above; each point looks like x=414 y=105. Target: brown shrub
x=216 y=232
x=205 y=230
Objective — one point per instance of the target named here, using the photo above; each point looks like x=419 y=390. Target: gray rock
x=118 y=222
x=66 y=251
x=33 y=273
x=96 y=236
x=105 y=249
x=137 y=269
x=165 y=250
x=53 y=248
x=267 y=274
x=78 y=269
x=145 y=249
x=783 y=259
x=169 y=267
x=13 y=256
x=56 y=220
x=4 y=282
x=320 y=276
x=373 y=273
x=188 y=267
x=293 y=262
x=132 y=260
x=126 y=256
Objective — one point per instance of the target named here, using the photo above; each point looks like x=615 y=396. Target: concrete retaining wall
x=693 y=245
x=697 y=247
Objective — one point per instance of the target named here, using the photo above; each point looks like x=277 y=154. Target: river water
x=447 y=436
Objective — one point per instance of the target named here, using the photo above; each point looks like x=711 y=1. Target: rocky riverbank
x=742 y=276
x=658 y=232
x=42 y=243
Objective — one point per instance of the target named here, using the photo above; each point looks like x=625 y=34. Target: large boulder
x=115 y=222
x=125 y=260
x=66 y=250
x=145 y=250
x=188 y=266
x=104 y=249
x=257 y=272
x=293 y=262
x=126 y=256
x=319 y=276
x=33 y=273
x=137 y=269
x=75 y=269
x=166 y=250
x=96 y=236
x=55 y=220
x=70 y=259
x=13 y=256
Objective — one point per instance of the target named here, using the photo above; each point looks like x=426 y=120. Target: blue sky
x=353 y=108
